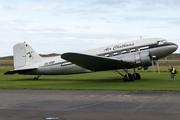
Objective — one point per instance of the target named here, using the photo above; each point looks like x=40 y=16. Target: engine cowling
x=145 y=59
x=141 y=59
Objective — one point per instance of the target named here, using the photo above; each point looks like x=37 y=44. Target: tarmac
x=88 y=105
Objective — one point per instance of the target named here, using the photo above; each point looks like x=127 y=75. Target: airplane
x=136 y=54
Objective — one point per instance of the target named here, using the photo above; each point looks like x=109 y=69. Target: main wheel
x=131 y=77
x=137 y=76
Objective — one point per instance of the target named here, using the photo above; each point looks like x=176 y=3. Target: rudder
x=19 y=55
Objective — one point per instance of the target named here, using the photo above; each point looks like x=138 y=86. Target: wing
x=95 y=63
x=19 y=71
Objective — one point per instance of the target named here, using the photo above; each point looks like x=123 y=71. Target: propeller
x=166 y=59
x=152 y=59
x=153 y=65
x=158 y=65
x=156 y=61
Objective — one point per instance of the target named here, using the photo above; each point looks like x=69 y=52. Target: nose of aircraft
x=174 y=47
x=171 y=47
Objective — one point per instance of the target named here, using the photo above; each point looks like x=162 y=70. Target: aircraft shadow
x=115 y=79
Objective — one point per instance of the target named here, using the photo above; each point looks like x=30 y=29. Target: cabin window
x=143 y=48
x=115 y=53
x=66 y=63
x=124 y=52
x=106 y=55
x=133 y=50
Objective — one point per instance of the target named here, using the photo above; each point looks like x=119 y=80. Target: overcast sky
x=58 y=26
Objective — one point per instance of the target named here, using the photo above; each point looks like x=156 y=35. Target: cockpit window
x=161 y=42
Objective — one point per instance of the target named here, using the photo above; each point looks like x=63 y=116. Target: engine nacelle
x=141 y=59
x=145 y=59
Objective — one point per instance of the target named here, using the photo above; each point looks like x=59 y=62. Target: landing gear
x=136 y=75
x=130 y=77
x=127 y=77
x=36 y=78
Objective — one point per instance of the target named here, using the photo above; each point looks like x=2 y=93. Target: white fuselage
x=139 y=52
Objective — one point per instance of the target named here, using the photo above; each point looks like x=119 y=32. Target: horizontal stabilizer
x=95 y=63
x=19 y=71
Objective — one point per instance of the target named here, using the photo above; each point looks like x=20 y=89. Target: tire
x=137 y=76
x=131 y=78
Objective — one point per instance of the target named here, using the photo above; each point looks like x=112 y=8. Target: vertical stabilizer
x=25 y=56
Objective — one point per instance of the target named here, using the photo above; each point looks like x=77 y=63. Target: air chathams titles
x=118 y=47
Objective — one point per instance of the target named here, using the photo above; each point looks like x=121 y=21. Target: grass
x=105 y=80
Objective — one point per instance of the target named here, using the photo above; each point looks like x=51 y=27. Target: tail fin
x=24 y=56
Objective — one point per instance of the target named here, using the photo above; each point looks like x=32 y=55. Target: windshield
x=161 y=42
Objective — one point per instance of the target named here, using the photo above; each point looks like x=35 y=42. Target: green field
x=105 y=80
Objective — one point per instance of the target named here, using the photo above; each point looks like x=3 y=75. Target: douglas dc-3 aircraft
x=138 y=54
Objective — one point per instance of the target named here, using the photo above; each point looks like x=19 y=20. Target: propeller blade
x=157 y=65
x=166 y=59
x=153 y=65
